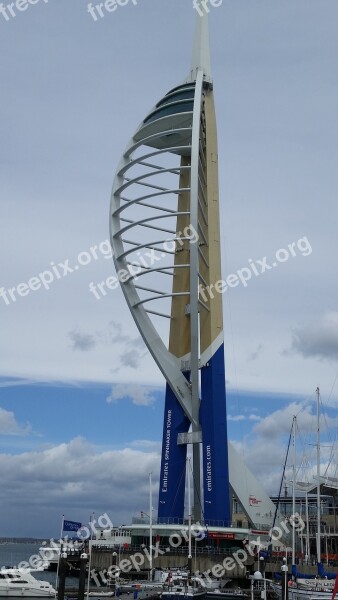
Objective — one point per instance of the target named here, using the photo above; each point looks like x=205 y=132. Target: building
x=165 y=199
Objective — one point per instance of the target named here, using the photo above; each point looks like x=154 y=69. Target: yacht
x=20 y=582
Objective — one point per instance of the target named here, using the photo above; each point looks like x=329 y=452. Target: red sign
x=222 y=536
x=253 y=501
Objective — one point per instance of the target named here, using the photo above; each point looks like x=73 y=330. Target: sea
x=13 y=553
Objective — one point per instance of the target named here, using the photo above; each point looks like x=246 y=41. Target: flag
x=335 y=589
x=71 y=525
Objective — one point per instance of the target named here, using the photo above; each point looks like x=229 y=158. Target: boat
x=298 y=591
x=179 y=576
x=180 y=592
x=101 y=594
x=20 y=582
x=229 y=594
x=141 y=586
x=212 y=585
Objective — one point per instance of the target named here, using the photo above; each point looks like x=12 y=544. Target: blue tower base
x=216 y=489
x=213 y=419
x=173 y=464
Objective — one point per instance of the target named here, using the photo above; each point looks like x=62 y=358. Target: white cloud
x=131 y=358
x=236 y=418
x=251 y=417
x=82 y=341
x=75 y=478
x=15 y=383
x=147 y=445
x=319 y=339
x=279 y=422
x=130 y=350
x=254 y=418
x=10 y=426
x=139 y=394
x=264 y=449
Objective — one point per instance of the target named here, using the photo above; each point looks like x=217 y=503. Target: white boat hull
x=16 y=583
x=297 y=593
x=25 y=593
x=187 y=592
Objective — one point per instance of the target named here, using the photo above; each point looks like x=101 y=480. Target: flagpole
x=57 y=569
x=90 y=554
x=150 y=529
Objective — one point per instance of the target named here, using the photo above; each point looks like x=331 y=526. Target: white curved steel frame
x=164 y=130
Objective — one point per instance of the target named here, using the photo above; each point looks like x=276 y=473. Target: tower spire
x=201 y=47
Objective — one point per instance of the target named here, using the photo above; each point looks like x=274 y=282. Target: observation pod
x=166 y=243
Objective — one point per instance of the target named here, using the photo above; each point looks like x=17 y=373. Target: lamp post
x=82 y=575
x=62 y=575
x=285 y=588
x=262 y=571
x=257 y=576
x=115 y=569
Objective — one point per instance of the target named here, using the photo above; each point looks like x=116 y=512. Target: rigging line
x=304 y=463
x=299 y=439
x=307 y=403
x=333 y=385
x=302 y=439
x=323 y=414
x=280 y=487
x=331 y=440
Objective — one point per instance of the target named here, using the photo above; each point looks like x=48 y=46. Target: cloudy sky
x=80 y=399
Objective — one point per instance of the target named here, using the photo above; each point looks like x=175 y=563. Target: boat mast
x=294 y=489
x=150 y=530
x=318 y=480
x=90 y=547
x=189 y=523
x=307 y=546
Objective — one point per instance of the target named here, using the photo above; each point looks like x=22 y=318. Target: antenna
x=201 y=48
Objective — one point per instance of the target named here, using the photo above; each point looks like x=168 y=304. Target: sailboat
x=307 y=587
